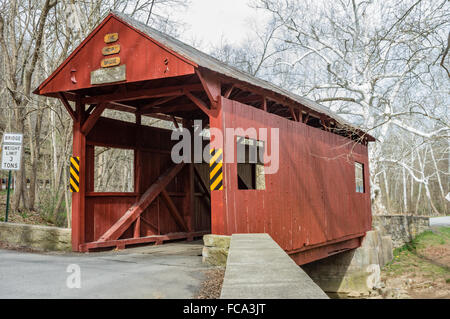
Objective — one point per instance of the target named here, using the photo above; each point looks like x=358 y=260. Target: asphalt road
x=168 y=271
x=440 y=221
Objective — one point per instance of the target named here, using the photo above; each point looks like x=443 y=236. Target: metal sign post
x=11 y=160
x=7 y=196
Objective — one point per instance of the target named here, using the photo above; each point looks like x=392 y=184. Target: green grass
x=408 y=258
x=438 y=236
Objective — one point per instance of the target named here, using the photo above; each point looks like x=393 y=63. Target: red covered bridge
x=316 y=204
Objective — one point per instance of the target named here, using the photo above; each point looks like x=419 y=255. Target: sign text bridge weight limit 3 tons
x=11 y=159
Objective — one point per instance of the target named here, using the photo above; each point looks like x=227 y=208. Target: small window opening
x=359 y=177
x=113 y=170
x=250 y=164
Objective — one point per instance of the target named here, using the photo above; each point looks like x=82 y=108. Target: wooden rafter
x=144 y=201
x=171 y=109
x=121 y=107
x=305 y=120
x=92 y=119
x=264 y=103
x=199 y=103
x=148 y=107
x=143 y=93
x=66 y=104
x=175 y=123
x=249 y=99
x=90 y=108
x=228 y=92
x=211 y=85
x=294 y=116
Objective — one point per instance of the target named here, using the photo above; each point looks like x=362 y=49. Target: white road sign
x=11 y=151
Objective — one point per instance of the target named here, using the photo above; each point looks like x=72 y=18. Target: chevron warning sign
x=74 y=174
x=215 y=166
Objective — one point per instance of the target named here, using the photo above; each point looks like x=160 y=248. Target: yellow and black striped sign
x=215 y=166
x=74 y=174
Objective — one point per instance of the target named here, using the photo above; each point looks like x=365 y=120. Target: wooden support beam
x=69 y=109
x=90 y=108
x=249 y=99
x=188 y=181
x=146 y=108
x=137 y=208
x=305 y=120
x=171 y=109
x=143 y=93
x=294 y=116
x=121 y=107
x=79 y=198
x=153 y=226
x=173 y=210
x=199 y=103
x=93 y=118
x=163 y=117
x=228 y=92
x=137 y=228
x=202 y=182
x=264 y=103
x=211 y=85
x=157 y=239
x=175 y=123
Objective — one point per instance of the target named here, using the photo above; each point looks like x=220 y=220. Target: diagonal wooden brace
x=173 y=210
x=136 y=210
x=202 y=183
x=90 y=122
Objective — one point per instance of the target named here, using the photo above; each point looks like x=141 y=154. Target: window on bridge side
x=113 y=170
x=250 y=164
x=359 y=177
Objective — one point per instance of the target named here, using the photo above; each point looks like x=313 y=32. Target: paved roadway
x=440 y=221
x=172 y=270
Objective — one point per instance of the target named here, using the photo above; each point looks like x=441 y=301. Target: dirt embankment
x=420 y=269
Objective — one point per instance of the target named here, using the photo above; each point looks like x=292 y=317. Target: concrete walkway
x=258 y=268
x=173 y=270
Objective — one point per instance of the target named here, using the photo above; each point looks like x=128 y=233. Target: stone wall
x=355 y=272
x=36 y=237
x=401 y=228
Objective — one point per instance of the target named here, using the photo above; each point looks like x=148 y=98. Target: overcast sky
x=212 y=20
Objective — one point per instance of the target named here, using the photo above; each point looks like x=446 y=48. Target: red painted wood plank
x=304 y=204
x=141 y=240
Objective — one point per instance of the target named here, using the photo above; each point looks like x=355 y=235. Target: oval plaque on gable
x=111 y=49
x=106 y=63
x=111 y=37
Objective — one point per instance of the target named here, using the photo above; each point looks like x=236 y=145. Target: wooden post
x=188 y=203
x=137 y=172
x=218 y=198
x=78 y=199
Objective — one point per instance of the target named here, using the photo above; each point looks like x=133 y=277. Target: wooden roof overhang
x=188 y=91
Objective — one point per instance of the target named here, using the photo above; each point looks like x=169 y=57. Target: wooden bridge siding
x=102 y=212
x=154 y=145
x=133 y=46
x=312 y=198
